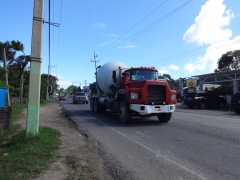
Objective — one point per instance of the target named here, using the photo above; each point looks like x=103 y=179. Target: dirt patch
x=77 y=159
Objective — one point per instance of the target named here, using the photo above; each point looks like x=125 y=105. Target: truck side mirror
x=114 y=76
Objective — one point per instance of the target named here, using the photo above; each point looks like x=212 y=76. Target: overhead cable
x=141 y=32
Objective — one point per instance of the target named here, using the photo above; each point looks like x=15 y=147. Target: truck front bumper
x=152 y=109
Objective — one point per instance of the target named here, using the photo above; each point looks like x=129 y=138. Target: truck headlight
x=173 y=97
x=134 y=95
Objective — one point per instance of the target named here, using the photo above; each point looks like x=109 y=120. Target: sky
x=181 y=38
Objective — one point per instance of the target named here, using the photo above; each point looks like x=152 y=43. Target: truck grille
x=156 y=93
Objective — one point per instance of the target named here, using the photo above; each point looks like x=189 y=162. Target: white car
x=80 y=97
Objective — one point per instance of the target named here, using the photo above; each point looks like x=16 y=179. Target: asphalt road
x=195 y=144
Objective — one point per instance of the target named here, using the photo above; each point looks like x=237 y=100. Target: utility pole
x=95 y=55
x=49 y=27
x=6 y=75
x=32 y=124
x=49 y=49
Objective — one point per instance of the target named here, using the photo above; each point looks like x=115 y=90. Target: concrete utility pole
x=32 y=124
x=95 y=55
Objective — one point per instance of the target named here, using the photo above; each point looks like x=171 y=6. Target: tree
x=72 y=89
x=168 y=78
x=52 y=81
x=10 y=53
x=229 y=61
x=20 y=62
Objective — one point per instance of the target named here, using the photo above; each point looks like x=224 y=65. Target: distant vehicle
x=204 y=100
x=62 y=98
x=235 y=102
x=80 y=97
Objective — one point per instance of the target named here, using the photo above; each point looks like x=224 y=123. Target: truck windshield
x=144 y=75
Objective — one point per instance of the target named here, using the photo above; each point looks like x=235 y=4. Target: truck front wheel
x=164 y=117
x=124 y=113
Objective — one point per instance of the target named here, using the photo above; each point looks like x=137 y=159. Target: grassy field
x=24 y=157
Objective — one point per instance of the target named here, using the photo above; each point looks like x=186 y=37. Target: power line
x=199 y=48
x=146 y=29
x=185 y=55
x=86 y=68
x=59 y=30
x=135 y=25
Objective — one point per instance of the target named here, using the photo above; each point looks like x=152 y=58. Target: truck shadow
x=108 y=118
x=111 y=118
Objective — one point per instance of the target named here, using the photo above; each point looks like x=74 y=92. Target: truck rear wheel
x=96 y=106
x=164 y=117
x=124 y=113
x=91 y=105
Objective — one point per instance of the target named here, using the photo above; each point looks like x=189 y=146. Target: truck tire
x=164 y=117
x=91 y=105
x=237 y=110
x=221 y=105
x=124 y=113
x=96 y=106
x=203 y=105
x=86 y=102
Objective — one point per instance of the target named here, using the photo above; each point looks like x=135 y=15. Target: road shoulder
x=77 y=158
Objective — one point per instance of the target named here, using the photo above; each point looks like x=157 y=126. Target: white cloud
x=58 y=76
x=64 y=83
x=167 y=70
x=209 y=24
x=173 y=67
x=100 y=25
x=209 y=27
x=163 y=71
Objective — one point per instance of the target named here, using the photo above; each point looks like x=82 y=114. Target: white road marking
x=149 y=149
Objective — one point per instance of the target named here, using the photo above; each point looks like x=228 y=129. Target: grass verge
x=17 y=111
x=24 y=157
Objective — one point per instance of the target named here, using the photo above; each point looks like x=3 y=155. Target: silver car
x=80 y=97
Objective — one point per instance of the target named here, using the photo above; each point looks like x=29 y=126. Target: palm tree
x=10 y=53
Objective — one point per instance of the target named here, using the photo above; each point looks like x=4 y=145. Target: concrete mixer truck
x=132 y=92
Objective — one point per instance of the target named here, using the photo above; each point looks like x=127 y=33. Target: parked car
x=80 y=97
x=235 y=102
x=204 y=100
x=62 y=98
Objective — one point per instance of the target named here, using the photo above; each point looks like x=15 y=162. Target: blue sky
x=181 y=38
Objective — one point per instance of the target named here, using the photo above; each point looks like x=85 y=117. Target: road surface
x=195 y=144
